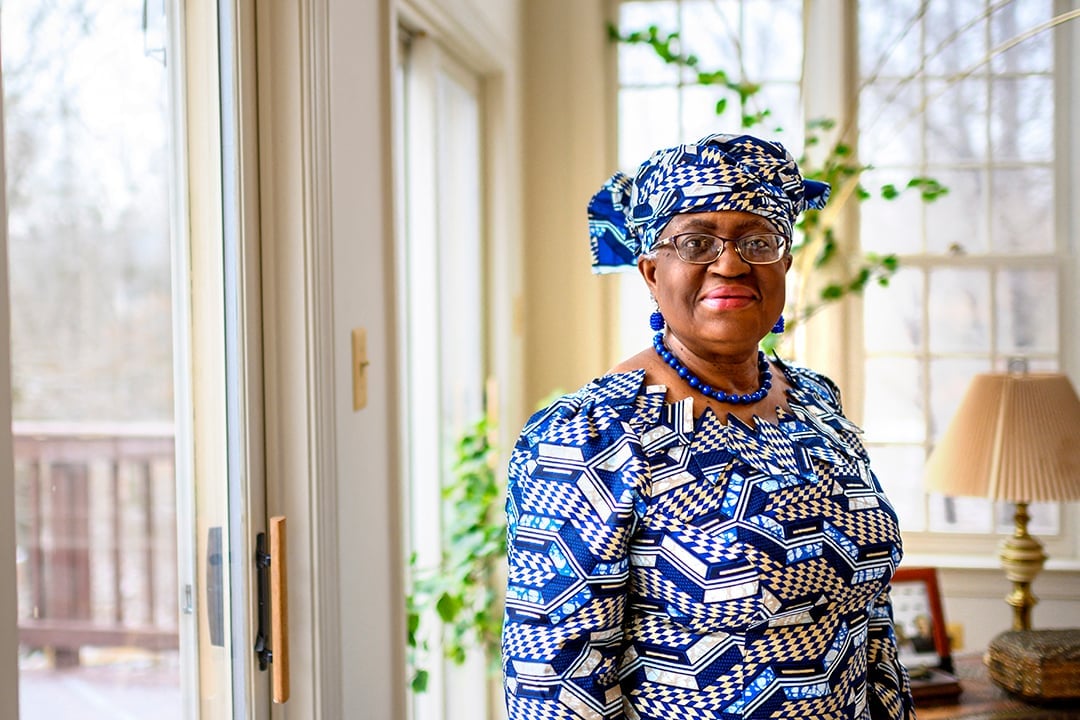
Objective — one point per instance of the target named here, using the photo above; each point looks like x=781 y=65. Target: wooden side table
x=981 y=699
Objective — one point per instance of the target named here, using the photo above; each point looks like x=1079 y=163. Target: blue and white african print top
x=664 y=567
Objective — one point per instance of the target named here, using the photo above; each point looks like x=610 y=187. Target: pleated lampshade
x=1015 y=437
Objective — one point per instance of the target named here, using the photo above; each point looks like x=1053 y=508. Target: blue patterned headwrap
x=718 y=172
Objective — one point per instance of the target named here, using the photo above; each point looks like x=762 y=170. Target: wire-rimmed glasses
x=703 y=249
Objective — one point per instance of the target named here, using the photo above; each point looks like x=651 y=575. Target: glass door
x=132 y=411
x=441 y=273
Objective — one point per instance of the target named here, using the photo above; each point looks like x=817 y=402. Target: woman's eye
x=696 y=242
x=756 y=243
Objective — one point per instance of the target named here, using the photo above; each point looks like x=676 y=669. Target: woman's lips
x=729 y=298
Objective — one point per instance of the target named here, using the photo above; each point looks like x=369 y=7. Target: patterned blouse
x=664 y=567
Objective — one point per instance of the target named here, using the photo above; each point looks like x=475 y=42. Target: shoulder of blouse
x=807 y=380
x=609 y=397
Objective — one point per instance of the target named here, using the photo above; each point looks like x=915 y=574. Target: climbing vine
x=817 y=247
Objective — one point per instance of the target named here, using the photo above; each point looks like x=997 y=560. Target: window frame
x=833 y=341
x=976 y=550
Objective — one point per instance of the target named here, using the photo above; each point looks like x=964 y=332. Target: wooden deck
x=112 y=685
x=96 y=538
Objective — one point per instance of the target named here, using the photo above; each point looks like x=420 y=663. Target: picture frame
x=919 y=622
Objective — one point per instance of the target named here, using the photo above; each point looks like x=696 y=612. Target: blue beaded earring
x=779 y=326
x=656 y=320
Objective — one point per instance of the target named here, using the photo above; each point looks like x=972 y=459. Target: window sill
x=980 y=562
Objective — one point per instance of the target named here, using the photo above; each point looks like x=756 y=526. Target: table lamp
x=1015 y=437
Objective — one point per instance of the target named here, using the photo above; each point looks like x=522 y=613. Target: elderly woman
x=697 y=534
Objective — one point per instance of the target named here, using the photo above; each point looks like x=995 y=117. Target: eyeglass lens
x=704 y=248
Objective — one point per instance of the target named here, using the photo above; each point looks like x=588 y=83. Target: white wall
x=485 y=37
x=369 y=555
x=975 y=601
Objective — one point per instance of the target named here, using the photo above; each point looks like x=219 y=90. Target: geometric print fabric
x=666 y=567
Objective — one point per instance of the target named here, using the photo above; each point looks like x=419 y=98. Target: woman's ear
x=647 y=267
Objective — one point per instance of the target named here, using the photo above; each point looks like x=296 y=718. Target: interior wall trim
x=298 y=290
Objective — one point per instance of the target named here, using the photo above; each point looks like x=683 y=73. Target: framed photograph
x=919 y=621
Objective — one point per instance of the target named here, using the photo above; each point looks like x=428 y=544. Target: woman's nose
x=729 y=263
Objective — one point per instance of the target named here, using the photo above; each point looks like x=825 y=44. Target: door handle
x=215 y=587
x=274 y=607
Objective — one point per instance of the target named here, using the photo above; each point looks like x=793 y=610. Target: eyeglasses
x=704 y=249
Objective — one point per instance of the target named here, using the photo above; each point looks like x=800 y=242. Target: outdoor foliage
x=87 y=172
x=460 y=590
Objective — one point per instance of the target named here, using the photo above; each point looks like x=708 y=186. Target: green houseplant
x=460 y=589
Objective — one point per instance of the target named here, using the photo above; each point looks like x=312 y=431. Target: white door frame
x=9 y=632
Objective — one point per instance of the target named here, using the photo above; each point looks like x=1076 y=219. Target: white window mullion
x=829 y=90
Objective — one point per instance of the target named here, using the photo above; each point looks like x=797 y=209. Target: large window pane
x=984 y=127
x=647 y=120
x=766 y=57
x=960 y=310
x=890 y=124
x=890 y=226
x=955 y=36
x=1022 y=213
x=894 y=400
x=699 y=113
x=86 y=115
x=785 y=121
x=637 y=63
x=960 y=514
x=889 y=37
x=1022 y=119
x=1027 y=311
x=1034 y=54
x=710 y=30
x=957 y=222
x=956 y=121
x=893 y=317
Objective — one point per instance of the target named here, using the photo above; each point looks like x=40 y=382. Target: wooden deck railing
x=95 y=536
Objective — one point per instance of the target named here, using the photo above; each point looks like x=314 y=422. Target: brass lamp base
x=1022 y=557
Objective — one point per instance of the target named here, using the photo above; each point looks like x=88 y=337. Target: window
x=661 y=105
x=981 y=273
x=969 y=93
x=87 y=152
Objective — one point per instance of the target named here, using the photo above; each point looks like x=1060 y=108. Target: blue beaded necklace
x=696 y=382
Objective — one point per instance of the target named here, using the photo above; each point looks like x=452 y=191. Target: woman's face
x=727 y=306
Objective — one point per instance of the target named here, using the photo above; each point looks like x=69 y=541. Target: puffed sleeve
x=888 y=688
x=574 y=493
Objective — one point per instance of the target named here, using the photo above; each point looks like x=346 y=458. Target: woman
x=697 y=533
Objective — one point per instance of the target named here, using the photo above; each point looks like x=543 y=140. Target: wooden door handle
x=279 y=609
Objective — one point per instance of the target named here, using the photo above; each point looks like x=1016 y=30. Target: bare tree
x=87 y=160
